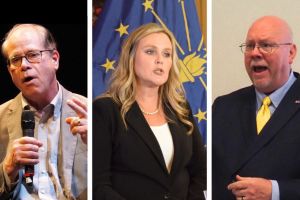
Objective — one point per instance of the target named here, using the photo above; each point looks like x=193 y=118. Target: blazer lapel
x=178 y=132
x=14 y=117
x=136 y=121
x=248 y=117
x=67 y=146
x=246 y=128
x=286 y=109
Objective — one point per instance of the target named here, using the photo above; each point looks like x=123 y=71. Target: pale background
x=230 y=22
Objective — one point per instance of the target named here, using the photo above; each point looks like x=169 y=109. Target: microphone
x=28 y=123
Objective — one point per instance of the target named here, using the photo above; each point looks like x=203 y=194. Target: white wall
x=230 y=22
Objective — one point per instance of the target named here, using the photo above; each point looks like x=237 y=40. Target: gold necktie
x=263 y=114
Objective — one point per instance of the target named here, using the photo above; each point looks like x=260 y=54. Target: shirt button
x=42 y=191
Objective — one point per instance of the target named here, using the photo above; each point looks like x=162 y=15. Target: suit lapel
x=248 y=117
x=14 y=128
x=246 y=128
x=14 y=117
x=289 y=105
x=286 y=109
x=177 y=131
x=67 y=145
x=136 y=121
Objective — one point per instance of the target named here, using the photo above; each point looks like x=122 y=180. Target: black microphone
x=28 y=123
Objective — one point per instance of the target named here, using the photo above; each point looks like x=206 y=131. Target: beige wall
x=230 y=22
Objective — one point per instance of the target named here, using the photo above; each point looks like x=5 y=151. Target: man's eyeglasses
x=263 y=48
x=31 y=57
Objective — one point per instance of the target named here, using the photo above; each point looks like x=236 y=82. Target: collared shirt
x=47 y=130
x=276 y=98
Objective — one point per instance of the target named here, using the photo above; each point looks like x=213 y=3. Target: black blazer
x=237 y=149
x=128 y=163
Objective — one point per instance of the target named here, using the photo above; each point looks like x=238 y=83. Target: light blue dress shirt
x=47 y=130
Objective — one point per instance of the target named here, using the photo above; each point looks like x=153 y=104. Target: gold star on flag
x=108 y=65
x=200 y=115
x=122 y=29
x=148 y=5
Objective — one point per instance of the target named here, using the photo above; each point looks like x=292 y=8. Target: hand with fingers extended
x=251 y=188
x=24 y=151
x=78 y=124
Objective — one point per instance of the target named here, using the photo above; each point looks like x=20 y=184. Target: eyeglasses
x=31 y=57
x=263 y=48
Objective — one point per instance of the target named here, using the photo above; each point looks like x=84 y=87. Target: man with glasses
x=58 y=149
x=256 y=130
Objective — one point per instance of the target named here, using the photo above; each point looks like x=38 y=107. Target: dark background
x=68 y=25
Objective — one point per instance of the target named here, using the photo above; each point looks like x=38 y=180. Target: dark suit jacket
x=237 y=149
x=128 y=163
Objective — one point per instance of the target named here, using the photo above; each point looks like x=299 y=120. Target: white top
x=165 y=141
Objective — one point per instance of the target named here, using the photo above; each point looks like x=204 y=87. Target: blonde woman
x=145 y=142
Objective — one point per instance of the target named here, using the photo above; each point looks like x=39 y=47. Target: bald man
x=256 y=130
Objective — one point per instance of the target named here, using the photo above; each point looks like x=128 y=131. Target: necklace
x=150 y=113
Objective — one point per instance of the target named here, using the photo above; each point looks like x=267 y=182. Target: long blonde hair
x=122 y=88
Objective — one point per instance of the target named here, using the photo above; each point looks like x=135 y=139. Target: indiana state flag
x=120 y=17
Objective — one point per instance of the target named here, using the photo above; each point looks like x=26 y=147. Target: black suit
x=128 y=164
x=237 y=149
